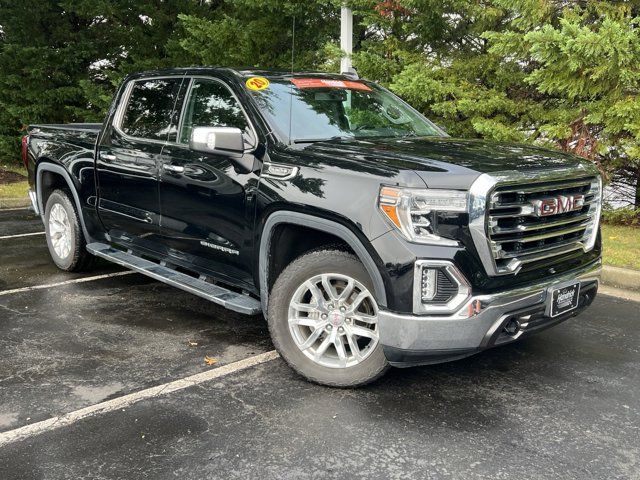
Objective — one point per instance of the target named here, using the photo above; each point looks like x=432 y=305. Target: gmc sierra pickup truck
x=365 y=234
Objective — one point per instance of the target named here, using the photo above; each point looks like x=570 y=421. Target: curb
x=14 y=202
x=621 y=278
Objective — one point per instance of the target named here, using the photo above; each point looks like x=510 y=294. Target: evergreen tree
x=564 y=74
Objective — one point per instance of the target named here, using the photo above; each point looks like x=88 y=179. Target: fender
x=52 y=167
x=324 y=225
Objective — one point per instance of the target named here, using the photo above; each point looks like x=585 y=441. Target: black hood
x=444 y=162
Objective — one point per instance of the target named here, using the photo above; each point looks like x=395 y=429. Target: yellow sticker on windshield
x=257 y=83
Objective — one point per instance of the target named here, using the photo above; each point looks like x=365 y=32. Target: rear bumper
x=417 y=340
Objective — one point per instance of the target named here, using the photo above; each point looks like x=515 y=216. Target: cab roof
x=240 y=73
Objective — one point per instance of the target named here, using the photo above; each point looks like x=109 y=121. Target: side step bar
x=215 y=293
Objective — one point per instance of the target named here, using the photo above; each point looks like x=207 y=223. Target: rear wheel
x=323 y=320
x=65 y=240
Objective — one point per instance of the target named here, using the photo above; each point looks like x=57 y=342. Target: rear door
x=128 y=157
x=205 y=199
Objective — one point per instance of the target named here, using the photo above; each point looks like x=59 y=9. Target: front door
x=128 y=158
x=205 y=199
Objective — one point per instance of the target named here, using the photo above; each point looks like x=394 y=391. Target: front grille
x=527 y=223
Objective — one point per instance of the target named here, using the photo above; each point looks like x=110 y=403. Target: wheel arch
x=46 y=166
x=323 y=225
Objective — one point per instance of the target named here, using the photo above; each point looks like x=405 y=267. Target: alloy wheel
x=333 y=320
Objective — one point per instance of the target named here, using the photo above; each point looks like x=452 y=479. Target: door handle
x=108 y=157
x=167 y=167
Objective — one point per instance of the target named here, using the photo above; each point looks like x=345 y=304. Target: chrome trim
x=529 y=228
x=481 y=197
x=34 y=202
x=266 y=173
x=464 y=289
x=462 y=331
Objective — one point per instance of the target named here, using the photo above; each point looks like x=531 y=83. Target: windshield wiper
x=313 y=140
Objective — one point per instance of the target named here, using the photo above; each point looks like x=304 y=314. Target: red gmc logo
x=557 y=205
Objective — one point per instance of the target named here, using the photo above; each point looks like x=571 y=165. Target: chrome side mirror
x=216 y=140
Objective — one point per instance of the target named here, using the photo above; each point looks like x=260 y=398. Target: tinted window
x=211 y=104
x=148 y=113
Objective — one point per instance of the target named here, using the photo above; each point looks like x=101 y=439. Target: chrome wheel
x=333 y=320
x=60 y=231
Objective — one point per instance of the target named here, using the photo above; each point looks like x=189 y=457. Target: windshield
x=323 y=109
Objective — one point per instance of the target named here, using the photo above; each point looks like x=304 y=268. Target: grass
x=14 y=190
x=621 y=246
x=14 y=167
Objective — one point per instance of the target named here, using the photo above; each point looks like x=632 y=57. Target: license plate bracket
x=564 y=299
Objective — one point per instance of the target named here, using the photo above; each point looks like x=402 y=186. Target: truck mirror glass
x=216 y=140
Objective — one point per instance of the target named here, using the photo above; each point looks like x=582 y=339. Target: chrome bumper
x=460 y=334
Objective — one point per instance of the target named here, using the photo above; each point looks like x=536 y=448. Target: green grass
x=14 y=190
x=621 y=246
x=14 y=167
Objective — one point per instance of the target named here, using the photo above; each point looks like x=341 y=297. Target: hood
x=444 y=162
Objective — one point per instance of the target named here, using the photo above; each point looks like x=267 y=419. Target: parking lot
x=563 y=404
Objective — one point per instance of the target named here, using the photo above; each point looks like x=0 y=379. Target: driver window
x=211 y=104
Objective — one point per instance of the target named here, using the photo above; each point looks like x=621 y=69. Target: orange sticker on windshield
x=257 y=83
x=329 y=83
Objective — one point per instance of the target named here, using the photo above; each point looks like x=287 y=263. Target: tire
x=65 y=239
x=307 y=344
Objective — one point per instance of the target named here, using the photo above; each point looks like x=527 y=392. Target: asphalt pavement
x=562 y=404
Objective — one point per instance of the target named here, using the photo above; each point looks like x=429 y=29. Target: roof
x=240 y=72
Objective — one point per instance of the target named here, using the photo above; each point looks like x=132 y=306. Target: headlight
x=415 y=212
x=591 y=232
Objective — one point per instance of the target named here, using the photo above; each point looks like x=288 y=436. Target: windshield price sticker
x=328 y=83
x=257 y=83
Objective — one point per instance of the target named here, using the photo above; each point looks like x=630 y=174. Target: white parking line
x=66 y=282
x=13 y=209
x=21 y=235
x=128 y=400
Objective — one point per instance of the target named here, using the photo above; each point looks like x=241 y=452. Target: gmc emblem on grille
x=557 y=205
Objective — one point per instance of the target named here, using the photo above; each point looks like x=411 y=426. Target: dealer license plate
x=564 y=299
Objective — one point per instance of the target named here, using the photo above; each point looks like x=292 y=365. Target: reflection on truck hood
x=446 y=162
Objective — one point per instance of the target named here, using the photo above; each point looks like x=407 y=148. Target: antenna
x=293 y=53
x=293 y=42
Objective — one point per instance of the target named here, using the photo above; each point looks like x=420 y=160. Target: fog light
x=438 y=287
x=429 y=284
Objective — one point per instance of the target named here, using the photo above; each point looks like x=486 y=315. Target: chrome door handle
x=173 y=168
x=108 y=157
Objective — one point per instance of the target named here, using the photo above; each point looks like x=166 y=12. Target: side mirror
x=217 y=140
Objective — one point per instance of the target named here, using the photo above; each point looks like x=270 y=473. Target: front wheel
x=65 y=240
x=323 y=320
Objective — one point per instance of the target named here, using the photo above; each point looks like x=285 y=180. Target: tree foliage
x=559 y=73
x=564 y=74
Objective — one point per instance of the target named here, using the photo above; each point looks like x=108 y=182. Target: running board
x=229 y=299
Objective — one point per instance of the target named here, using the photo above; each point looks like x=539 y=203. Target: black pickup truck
x=365 y=235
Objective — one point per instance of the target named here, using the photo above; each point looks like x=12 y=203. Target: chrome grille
x=519 y=231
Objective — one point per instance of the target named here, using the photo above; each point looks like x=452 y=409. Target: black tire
x=293 y=276
x=78 y=259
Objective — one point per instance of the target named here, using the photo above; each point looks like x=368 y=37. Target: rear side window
x=211 y=104
x=149 y=110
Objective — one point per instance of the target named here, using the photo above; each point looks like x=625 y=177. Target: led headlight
x=415 y=211
x=591 y=232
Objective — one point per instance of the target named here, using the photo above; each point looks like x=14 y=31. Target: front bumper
x=410 y=340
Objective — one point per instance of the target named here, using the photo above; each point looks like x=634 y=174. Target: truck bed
x=83 y=135
x=92 y=127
